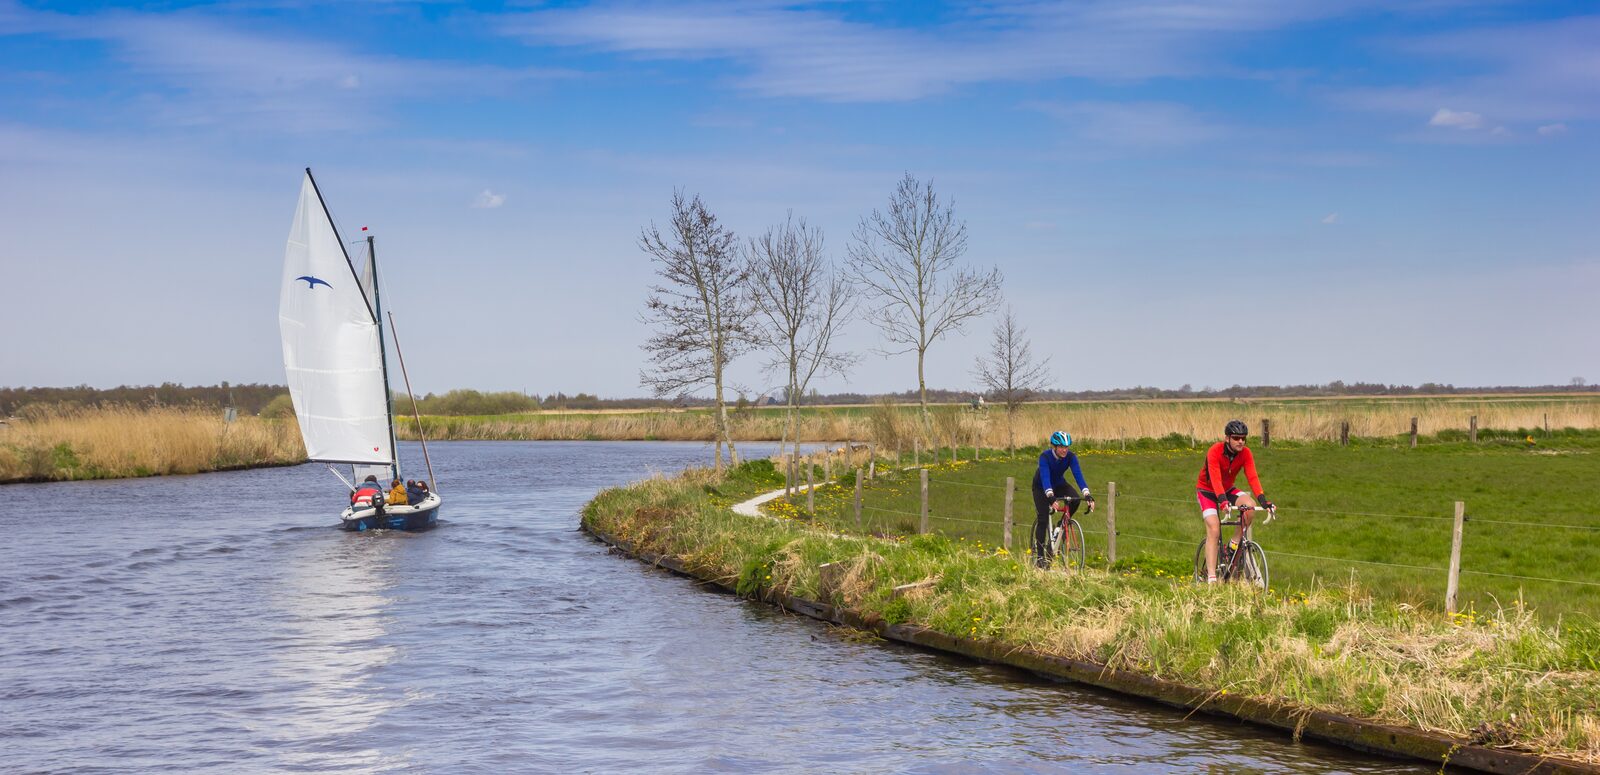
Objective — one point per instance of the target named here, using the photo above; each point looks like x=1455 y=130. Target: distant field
x=1303 y=419
x=1375 y=511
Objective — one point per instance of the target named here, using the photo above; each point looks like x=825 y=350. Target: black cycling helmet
x=1236 y=428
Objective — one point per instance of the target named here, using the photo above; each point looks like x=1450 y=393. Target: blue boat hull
x=422 y=516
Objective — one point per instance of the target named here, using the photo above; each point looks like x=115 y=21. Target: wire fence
x=987 y=520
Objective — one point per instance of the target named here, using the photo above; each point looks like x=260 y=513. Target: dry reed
x=121 y=441
x=892 y=426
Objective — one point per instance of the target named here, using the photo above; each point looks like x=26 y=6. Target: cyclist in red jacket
x=1223 y=463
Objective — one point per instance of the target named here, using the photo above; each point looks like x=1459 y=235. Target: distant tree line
x=255 y=398
x=249 y=399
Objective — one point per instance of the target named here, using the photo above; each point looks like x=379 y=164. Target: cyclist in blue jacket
x=1050 y=482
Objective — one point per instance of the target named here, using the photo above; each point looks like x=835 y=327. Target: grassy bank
x=116 y=442
x=1376 y=511
x=1502 y=677
x=893 y=426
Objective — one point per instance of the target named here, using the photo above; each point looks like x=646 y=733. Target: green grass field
x=1376 y=510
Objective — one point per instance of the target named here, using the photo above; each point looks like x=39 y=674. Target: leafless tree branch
x=905 y=260
x=1009 y=371
x=701 y=310
x=802 y=303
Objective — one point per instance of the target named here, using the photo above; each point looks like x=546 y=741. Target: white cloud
x=1143 y=124
x=1536 y=72
x=1551 y=130
x=1457 y=119
x=1500 y=131
x=1330 y=218
x=813 y=50
x=488 y=200
x=196 y=69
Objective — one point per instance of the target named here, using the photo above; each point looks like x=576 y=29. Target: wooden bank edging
x=1401 y=742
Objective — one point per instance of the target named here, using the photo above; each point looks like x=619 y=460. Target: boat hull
x=422 y=516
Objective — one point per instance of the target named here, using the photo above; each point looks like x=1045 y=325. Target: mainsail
x=331 y=344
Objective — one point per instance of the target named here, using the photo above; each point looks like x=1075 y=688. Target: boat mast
x=383 y=359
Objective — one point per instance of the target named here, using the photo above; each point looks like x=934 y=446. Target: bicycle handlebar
x=1272 y=512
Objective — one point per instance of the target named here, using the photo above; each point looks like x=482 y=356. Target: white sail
x=331 y=344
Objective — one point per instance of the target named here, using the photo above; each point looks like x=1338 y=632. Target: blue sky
x=1254 y=191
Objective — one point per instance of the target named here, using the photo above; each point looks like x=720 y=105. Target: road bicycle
x=1248 y=563
x=1066 y=537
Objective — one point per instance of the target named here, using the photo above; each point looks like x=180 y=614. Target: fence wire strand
x=1531 y=578
x=966 y=484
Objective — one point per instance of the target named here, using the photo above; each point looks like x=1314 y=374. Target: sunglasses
x=1236 y=438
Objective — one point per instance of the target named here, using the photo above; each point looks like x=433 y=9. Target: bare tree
x=906 y=261
x=1009 y=371
x=700 y=311
x=802 y=303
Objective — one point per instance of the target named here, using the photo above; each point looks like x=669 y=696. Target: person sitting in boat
x=423 y=486
x=416 y=491
x=368 y=494
x=397 y=494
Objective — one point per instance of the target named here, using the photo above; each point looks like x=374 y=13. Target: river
x=221 y=623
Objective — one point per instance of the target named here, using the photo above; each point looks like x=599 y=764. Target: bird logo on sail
x=311 y=282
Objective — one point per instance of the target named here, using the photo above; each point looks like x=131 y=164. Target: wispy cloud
x=1553 y=130
x=1462 y=119
x=193 y=69
x=1143 y=124
x=815 y=51
x=488 y=200
x=1539 y=72
x=1330 y=218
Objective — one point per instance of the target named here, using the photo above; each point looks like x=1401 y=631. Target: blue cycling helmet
x=1060 y=439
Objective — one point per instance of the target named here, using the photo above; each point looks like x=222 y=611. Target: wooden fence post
x=1344 y=433
x=1546 y=414
x=976 y=439
x=1455 y=559
x=1011 y=489
x=872 y=461
x=1111 y=523
x=1266 y=432
x=1472 y=430
x=858 y=499
x=916 y=452
x=924 y=501
x=1413 y=433
x=788 y=476
x=811 y=490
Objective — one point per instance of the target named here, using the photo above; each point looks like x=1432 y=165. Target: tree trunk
x=922 y=392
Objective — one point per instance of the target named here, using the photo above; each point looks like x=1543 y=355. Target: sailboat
x=337 y=367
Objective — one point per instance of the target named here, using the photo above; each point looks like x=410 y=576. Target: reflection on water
x=147 y=629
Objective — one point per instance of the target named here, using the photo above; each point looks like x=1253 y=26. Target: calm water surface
x=222 y=623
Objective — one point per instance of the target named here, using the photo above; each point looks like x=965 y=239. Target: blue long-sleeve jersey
x=1053 y=470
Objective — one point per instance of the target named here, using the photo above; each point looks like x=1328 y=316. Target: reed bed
x=892 y=425
x=55 y=444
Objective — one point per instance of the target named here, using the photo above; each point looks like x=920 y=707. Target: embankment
x=1502 y=694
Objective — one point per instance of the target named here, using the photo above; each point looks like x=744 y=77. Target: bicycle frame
x=1062 y=531
x=1235 y=564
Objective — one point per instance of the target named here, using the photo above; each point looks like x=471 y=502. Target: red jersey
x=1219 y=471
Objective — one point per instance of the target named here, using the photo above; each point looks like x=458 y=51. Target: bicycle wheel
x=1200 y=563
x=1073 y=554
x=1253 y=566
